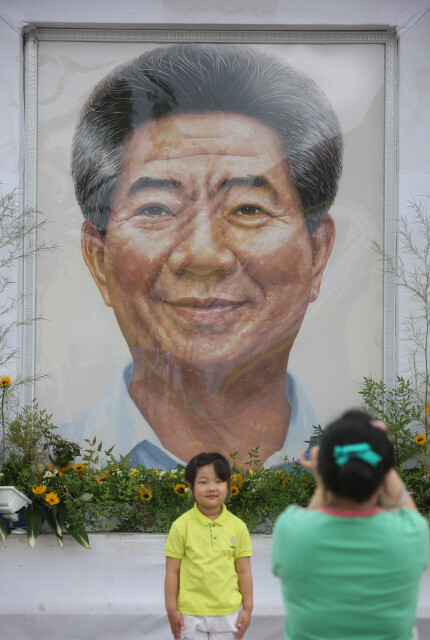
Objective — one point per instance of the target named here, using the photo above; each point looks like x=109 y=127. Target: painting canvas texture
x=214 y=205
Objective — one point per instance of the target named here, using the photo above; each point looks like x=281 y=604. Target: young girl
x=208 y=549
x=350 y=564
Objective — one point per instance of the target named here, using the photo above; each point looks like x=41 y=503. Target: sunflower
x=234 y=489
x=52 y=469
x=420 y=439
x=39 y=490
x=79 y=467
x=237 y=479
x=132 y=473
x=285 y=481
x=428 y=409
x=145 y=494
x=52 y=498
x=100 y=479
x=5 y=381
x=180 y=489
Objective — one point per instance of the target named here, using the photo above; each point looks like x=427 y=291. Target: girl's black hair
x=220 y=463
x=355 y=479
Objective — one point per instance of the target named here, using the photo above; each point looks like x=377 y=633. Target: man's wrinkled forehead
x=210 y=143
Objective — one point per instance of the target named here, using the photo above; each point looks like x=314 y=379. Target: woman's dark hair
x=221 y=466
x=356 y=478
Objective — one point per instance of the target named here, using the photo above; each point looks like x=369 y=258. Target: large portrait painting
x=214 y=199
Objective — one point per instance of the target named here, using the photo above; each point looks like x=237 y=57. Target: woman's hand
x=318 y=500
x=311 y=464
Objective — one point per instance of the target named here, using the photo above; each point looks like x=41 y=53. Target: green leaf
x=60 y=513
x=86 y=497
x=51 y=519
x=33 y=523
x=3 y=532
x=80 y=535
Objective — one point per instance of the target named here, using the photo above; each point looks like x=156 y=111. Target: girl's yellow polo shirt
x=208 y=583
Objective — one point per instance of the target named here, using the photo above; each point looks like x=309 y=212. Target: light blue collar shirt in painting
x=115 y=419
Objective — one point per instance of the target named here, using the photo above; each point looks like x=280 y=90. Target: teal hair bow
x=361 y=450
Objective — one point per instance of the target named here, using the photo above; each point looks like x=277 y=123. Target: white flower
x=49 y=474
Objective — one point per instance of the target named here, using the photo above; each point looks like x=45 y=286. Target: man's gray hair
x=193 y=78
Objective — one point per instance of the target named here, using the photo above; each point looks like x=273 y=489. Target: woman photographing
x=350 y=564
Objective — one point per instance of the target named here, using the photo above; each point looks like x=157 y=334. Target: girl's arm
x=243 y=570
x=171 y=587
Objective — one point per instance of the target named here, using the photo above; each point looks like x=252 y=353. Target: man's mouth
x=205 y=311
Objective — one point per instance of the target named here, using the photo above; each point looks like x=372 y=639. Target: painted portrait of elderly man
x=205 y=175
x=214 y=204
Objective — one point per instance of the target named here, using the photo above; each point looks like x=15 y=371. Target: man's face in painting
x=206 y=253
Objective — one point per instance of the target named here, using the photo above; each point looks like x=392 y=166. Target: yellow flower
x=180 y=489
x=428 y=409
x=173 y=475
x=4 y=381
x=145 y=494
x=79 y=467
x=52 y=498
x=68 y=466
x=52 y=469
x=234 y=490
x=59 y=474
x=133 y=472
x=237 y=479
x=39 y=490
x=285 y=481
x=420 y=439
x=100 y=479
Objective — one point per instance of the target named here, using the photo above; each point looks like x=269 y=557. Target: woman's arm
x=243 y=570
x=171 y=587
x=393 y=493
x=317 y=501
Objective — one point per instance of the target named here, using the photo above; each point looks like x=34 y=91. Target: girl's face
x=209 y=491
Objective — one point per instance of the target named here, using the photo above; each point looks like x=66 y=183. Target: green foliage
x=397 y=408
x=102 y=494
x=418 y=483
x=263 y=494
x=30 y=434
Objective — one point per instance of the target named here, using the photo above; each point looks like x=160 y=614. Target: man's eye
x=154 y=211
x=249 y=215
x=249 y=210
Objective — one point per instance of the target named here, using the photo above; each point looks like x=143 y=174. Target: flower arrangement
x=79 y=489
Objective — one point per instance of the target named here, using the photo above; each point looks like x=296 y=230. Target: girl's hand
x=176 y=623
x=243 y=620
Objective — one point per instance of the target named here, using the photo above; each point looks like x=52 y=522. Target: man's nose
x=202 y=249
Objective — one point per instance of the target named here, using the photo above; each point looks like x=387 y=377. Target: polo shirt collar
x=207 y=521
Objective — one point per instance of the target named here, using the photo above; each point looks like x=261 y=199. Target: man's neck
x=248 y=412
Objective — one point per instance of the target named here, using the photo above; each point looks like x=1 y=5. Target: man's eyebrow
x=146 y=182
x=261 y=182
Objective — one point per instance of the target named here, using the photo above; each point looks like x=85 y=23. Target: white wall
x=410 y=18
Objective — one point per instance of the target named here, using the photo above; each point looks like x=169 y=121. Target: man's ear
x=93 y=249
x=322 y=243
